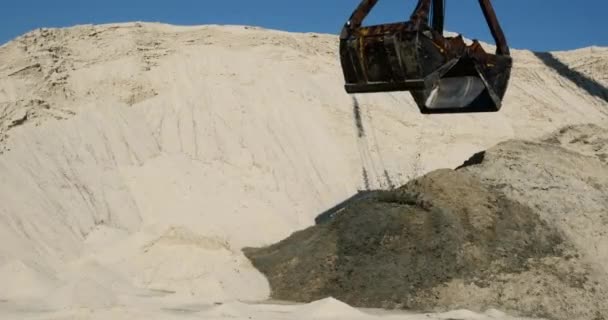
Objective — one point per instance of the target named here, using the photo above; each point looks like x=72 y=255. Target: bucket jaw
x=443 y=74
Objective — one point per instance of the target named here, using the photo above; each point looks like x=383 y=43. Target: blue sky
x=532 y=24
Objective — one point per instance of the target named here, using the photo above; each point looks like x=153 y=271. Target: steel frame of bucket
x=416 y=56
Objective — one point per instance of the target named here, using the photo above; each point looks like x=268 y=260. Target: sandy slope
x=521 y=227
x=139 y=158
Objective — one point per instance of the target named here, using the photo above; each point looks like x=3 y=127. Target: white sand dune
x=138 y=159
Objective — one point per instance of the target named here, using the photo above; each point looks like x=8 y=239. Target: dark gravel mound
x=441 y=242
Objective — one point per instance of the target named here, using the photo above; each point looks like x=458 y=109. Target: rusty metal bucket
x=443 y=74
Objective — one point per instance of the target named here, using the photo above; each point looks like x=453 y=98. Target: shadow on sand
x=330 y=213
x=592 y=87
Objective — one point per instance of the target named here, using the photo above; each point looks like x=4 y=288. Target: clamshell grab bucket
x=443 y=74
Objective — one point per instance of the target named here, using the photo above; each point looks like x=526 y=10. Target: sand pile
x=520 y=228
x=148 y=155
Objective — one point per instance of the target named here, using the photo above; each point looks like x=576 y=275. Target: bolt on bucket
x=443 y=74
